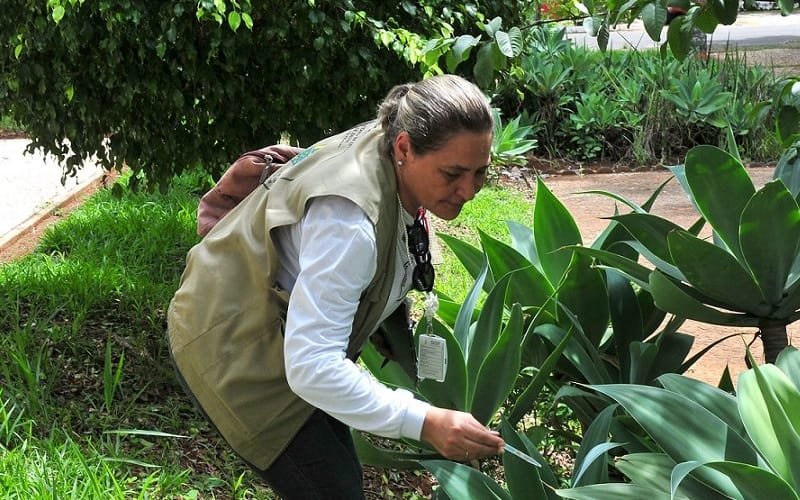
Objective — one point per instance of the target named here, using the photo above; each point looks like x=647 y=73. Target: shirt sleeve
x=337 y=260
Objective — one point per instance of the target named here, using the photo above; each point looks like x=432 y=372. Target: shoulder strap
x=239 y=180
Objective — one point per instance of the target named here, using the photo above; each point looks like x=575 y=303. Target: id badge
x=432 y=362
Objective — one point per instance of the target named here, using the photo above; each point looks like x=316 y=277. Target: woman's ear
x=402 y=146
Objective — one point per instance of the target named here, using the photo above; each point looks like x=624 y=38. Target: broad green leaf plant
x=537 y=308
x=748 y=273
x=708 y=443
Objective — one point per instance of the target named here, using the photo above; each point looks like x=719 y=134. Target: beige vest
x=226 y=319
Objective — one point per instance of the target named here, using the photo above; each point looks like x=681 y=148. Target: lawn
x=90 y=405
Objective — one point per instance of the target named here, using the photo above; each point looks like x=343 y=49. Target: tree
x=163 y=86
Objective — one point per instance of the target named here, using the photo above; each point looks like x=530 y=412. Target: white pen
x=519 y=454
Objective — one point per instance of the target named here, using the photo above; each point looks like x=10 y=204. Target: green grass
x=488 y=212
x=89 y=405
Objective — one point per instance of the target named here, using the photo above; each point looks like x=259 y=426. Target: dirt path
x=589 y=210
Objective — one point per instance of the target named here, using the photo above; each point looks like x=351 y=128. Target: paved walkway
x=750 y=29
x=30 y=187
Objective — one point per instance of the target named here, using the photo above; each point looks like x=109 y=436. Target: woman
x=279 y=298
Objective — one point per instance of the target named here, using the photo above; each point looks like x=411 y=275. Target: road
x=750 y=28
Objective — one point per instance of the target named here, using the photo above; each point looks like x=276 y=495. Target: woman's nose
x=468 y=187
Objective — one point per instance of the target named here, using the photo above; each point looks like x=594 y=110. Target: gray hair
x=432 y=111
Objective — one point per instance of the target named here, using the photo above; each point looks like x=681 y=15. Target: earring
x=399 y=163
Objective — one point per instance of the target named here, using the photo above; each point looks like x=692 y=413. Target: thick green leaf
x=522 y=479
x=470 y=257
x=635 y=271
x=484 y=66
x=789 y=363
x=526 y=400
x=522 y=241
x=585 y=405
x=461 y=330
x=770 y=237
x=583 y=291
x=716 y=273
x=788 y=124
x=488 y=327
x=587 y=363
x=626 y=319
x=503 y=41
x=715 y=400
x=791 y=301
x=673 y=297
x=750 y=481
x=613 y=491
x=673 y=347
x=769 y=404
x=530 y=288
x=788 y=167
x=654 y=15
x=720 y=189
x=460 y=51
x=725 y=10
x=391 y=374
x=499 y=370
x=787 y=6
x=553 y=228
x=651 y=231
x=706 y=21
x=679 y=39
x=370 y=454
x=448 y=311
x=587 y=472
x=502 y=258
x=726 y=381
x=682 y=428
x=653 y=317
x=654 y=470
x=462 y=481
x=603 y=36
x=517 y=40
x=642 y=356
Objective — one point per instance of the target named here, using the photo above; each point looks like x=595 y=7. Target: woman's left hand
x=458 y=436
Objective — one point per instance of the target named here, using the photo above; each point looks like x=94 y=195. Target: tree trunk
x=774 y=338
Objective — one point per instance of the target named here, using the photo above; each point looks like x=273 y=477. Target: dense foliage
x=167 y=85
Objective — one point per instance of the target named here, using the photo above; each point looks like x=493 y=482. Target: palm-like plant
x=748 y=274
x=712 y=444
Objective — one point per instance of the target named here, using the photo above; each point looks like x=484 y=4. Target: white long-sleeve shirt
x=327 y=260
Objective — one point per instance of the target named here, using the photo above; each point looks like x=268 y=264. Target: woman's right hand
x=458 y=436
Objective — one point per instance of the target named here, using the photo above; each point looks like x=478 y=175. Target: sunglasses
x=418 y=246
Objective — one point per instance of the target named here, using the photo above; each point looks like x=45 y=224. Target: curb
x=96 y=180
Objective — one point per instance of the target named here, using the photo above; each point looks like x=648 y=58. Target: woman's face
x=442 y=180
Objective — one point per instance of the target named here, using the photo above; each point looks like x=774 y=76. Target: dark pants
x=320 y=463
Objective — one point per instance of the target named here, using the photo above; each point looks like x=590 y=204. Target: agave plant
x=511 y=141
x=482 y=368
x=587 y=324
x=748 y=274
x=713 y=444
x=524 y=480
x=537 y=308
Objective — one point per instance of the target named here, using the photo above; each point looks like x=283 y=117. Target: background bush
x=168 y=90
